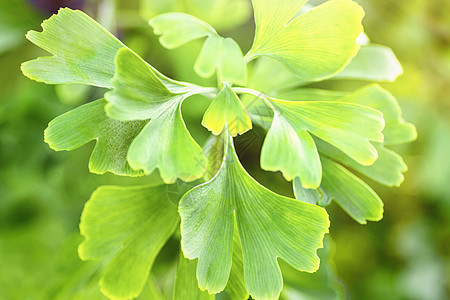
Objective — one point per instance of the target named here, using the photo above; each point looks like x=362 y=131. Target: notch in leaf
x=270 y=226
x=227 y=111
x=126 y=227
x=218 y=54
x=164 y=143
x=349 y=127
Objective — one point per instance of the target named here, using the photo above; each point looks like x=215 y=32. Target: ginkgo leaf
x=297 y=150
x=373 y=62
x=388 y=169
x=389 y=166
x=236 y=284
x=138 y=94
x=349 y=127
x=351 y=193
x=176 y=29
x=166 y=144
x=323 y=284
x=213 y=150
x=218 y=54
x=396 y=130
x=126 y=227
x=210 y=211
x=315 y=44
x=346 y=189
x=89 y=122
x=186 y=286
x=226 y=110
x=83 y=52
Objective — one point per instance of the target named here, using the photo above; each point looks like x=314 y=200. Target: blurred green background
x=42 y=193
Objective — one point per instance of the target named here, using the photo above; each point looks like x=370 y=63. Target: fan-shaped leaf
x=210 y=211
x=226 y=110
x=126 y=227
x=89 y=122
x=315 y=44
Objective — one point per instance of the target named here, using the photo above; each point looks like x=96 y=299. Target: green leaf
x=313 y=196
x=396 y=130
x=166 y=144
x=389 y=166
x=373 y=62
x=346 y=189
x=314 y=45
x=137 y=93
x=297 y=150
x=226 y=110
x=177 y=29
x=323 y=284
x=89 y=122
x=388 y=169
x=186 y=286
x=83 y=51
x=269 y=226
x=213 y=150
x=231 y=66
x=126 y=227
x=235 y=288
x=349 y=127
x=351 y=193
x=218 y=53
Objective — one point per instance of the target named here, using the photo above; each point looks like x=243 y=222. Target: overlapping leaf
x=218 y=54
x=349 y=127
x=126 y=227
x=227 y=111
x=350 y=192
x=315 y=44
x=210 y=211
x=186 y=286
x=138 y=94
x=84 y=52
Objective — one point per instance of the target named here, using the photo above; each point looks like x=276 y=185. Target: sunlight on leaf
x=315 y=44
x=210 y=211
x=227 y=111
x=126 y=227
x=89 y=122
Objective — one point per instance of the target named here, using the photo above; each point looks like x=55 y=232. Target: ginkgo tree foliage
x=234 y=231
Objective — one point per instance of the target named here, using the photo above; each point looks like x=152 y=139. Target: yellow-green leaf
x=314 y=45
x=226 y=110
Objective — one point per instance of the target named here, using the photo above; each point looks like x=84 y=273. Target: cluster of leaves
x=232 y=225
